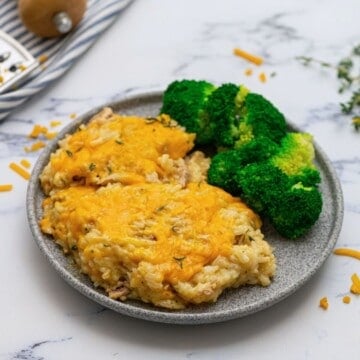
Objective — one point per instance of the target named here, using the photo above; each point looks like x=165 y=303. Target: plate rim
x=157 y=314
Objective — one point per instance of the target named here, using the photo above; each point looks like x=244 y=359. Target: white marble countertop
x=152 y=43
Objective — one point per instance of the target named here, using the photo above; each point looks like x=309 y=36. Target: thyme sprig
x=349 y=81
x=180 y=260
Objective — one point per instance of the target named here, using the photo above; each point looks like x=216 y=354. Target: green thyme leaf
x=356 y=122
x=349 y=81
x=180 y=260
x=92 y=167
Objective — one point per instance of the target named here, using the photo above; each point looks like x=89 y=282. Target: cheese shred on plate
x=129 y=203
x=5 y=187
x=355 y=286
x=324 y=304
x=19 y=170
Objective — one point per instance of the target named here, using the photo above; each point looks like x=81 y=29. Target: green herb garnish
x=180 y=260
x=160 y=208
x=349 y=81
x=92 y=167
x=150 y=120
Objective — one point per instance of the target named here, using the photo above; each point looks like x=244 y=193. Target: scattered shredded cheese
x=41 y=130
x=346 y=299
x=324 y=303
x=19 y=170
x=248 y=72
x=348 y=252
x=72 y=116
x=34 y=147
x=50 y=135
x=6 y=187
x=355 y=286
x=55 y=123
x=247 y=56
x=25 y=163
x=37 y=131
x=262 y=77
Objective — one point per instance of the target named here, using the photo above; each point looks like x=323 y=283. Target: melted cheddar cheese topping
x=184 y=229
x=114 y=148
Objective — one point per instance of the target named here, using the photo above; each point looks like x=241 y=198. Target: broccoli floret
x=225 y=164
x=291 y=208
x=260 y=183
x=224 y=114
x=240 y=116
x=295 y=158
x=222 y=170
x=296 y=211
x=263 y=118
x=185 y=101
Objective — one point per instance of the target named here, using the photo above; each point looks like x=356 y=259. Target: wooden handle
x=52 y=18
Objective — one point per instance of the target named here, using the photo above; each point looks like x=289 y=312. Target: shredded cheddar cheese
x=72 y=116
x=355 y=286
x=249 y=57
x=262 y=77
x=50 y=135
x=55 y=123
x=324 y=304
x=348 y=252
x=25 y=163
x=35 y=146
x=6 y=187
x=37 y=131
x=19 y=170
x=248 y=72
x=346 y=299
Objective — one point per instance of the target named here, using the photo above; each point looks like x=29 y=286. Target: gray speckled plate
x=297 y=261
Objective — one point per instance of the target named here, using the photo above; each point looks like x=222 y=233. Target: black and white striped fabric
x=60 y=53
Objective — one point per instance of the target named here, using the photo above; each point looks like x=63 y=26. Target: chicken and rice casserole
x=135 y=212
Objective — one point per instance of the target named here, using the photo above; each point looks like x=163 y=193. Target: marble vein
x=30 y=352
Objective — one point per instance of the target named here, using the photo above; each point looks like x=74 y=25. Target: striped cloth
x=61 y=53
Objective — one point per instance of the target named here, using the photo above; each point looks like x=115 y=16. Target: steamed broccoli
x=296 y=211
x=260 y=183
x=224 y=114
x=240 y=116
x=277 y=181
x=291 y=207
x=185 y=101
x=295 y=157
x=225 y=164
